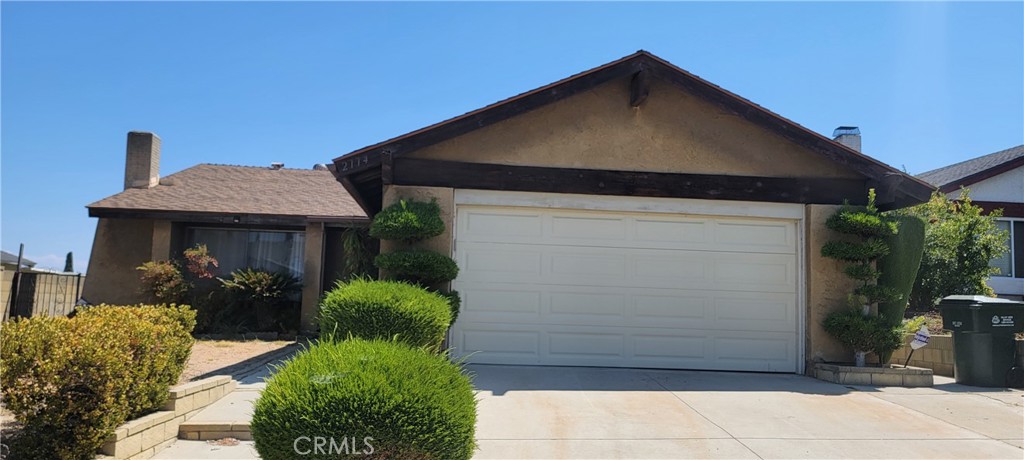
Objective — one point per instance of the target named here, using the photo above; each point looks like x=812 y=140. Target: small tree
x=960 y=241
x=69 y=263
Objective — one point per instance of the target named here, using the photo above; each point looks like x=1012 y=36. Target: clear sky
x=252 y=83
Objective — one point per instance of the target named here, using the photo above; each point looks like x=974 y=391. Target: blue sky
x=251 y=83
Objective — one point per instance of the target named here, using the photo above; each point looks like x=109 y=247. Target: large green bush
x=899 y=268
x=385 y=310
x=863 y=332
x=960 y=241
x=408 y=220
x=70 y=382
x=380 y=398
x=262 y=300
x=419 y=266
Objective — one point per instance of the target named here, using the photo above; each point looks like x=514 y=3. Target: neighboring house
x=634 y=215
x=996 y=181
x=267 y=217
x=10 y=261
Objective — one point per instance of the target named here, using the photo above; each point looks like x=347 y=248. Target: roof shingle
x=951 y=175
x=231 y=189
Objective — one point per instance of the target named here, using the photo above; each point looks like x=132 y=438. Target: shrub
x=455 y=302
x=383 y=398
x=419 y=266
x=408 y=220
x=164 y=281
x=959 y=243
x=70 y=382
x=899 y=268
x=864 y=332
x=384 y=310
x=862 y=224
x=264 y=295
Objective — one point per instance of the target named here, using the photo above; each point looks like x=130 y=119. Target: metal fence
x=40 y=294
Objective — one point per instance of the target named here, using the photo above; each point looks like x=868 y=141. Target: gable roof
x=950 y=178
x=289 y=194
x=359 y=171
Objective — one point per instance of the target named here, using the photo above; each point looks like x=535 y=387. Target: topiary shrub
x=385 y=310
x=864 y=332
x=418 y=266
x=366 y=398
x=455 y=302
x=408 y=220
x=899 y=267
x=70 y=382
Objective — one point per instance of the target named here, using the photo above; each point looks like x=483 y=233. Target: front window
x=274 y=251
x=1011 y=264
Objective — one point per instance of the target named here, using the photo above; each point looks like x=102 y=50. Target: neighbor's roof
x=12 y=259
x=975 y=170
x=237 y=190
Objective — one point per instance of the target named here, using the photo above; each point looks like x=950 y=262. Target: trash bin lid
x=980 y=299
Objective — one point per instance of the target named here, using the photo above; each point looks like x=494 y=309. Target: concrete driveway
x=597 y=413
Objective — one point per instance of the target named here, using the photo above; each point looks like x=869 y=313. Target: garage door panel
x=564 y=287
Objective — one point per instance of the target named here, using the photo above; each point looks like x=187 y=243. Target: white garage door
x=598 y=288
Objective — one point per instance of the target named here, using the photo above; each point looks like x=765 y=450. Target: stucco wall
x=827 y=287
x=672 y=131
x=1008 y=186
x=119 y=246
x=445 y=199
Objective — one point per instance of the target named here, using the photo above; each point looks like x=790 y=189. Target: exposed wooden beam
x=433 y=173
x=386 y=161
x=639 y=88
x=1010 y=209
x=200 y=217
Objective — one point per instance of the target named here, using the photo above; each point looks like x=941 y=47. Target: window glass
x=1003 y=263
x=238 y=249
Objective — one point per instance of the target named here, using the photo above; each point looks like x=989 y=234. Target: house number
x=354 y=163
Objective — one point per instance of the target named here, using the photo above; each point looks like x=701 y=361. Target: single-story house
x=267 y=217
x=9 y=261
x=634 y=215
x=996 y=181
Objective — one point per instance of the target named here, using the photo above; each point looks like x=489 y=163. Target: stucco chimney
x=142 y=162
x=848 y=136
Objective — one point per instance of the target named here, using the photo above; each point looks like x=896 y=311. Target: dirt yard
x=213 y=355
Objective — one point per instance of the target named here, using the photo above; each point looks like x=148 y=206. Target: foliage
x=71 y=381
x=959 y=243
x=355 y=243
x=418 y=266
x=455 y=302
x=855 y=251
x=164 y=281
x=899 y=267
x=912 y=325
x=408 y=220
x=263 y=295
x=865 y=224
x=386 y=398
x=69 y=263
x=863 y=332
x=198 y=261
x=384 y=310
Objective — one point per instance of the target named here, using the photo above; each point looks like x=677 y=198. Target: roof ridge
x=268 y=168
x=978 y=158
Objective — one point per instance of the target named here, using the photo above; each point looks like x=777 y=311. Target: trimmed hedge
x=376 y=398
x=419 y=266
x=408 y=220
x=854 y=252
x=385 y=310
x=70 y=382
x=899 y=268
x=858 y=222
x=455 y=302
x=862 y=332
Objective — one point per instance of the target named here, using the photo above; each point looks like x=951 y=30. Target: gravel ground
x=211 y=355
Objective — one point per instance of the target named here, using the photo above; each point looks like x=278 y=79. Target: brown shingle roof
x=229 y=189
x=971 y=171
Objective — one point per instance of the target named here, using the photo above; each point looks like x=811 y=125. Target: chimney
x=848 y=136
x=142 y=162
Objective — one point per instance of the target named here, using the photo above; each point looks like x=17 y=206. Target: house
x=267 y=217
x=996 y=181
x=634 y=215
x=10 y=261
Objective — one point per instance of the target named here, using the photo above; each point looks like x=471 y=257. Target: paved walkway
x=547 y=412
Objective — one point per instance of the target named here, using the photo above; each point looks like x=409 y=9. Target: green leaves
x=408 y=221
x=861 y=223
x=419 y=266
x=385 y=310
x=865 y=251
x=411 y=403
x=862 y=332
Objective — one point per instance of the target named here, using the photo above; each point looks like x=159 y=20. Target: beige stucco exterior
x=827 y=287
x=672 y=131
x=119 y=246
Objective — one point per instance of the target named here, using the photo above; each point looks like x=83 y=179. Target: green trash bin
x=983 y=337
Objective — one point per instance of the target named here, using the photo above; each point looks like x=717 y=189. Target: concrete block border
x=890 y=375
x=145 y=436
